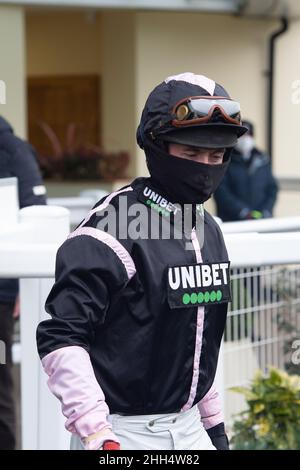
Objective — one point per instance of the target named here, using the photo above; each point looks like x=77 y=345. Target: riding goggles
x=200 y=109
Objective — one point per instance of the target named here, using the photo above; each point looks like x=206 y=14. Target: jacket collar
x=151 y=194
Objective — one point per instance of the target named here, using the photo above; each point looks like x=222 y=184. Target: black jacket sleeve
x=88 y=276
x=24 y=166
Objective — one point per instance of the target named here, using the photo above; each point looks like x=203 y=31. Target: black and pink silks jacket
x=136 y=324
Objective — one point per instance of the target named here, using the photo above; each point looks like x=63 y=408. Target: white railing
x=78 y=206
x=262 y=324
x=27 y=251
x=255 y=249
x=28 y=248
x=8 y=201
x=265 y=297
x=272 y=225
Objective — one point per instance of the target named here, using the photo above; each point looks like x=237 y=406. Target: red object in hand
x=111 y=445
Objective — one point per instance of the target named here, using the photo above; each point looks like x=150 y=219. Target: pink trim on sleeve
x=110 y=241
x=73 y=382
x=210 y=408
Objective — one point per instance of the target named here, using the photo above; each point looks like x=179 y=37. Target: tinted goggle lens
x=202 y=107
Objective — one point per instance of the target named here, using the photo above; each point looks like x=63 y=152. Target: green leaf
x=272 y=420
x=258 y=407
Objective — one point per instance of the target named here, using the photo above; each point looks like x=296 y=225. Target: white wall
x=288 y=204
x=287 y=110
x=78 y=42
x=134 y=51
x=118 y=82
x=12 y=67
x=230 y=50
x=63 y=42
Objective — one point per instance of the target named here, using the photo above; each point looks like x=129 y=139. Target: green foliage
x=272 y=420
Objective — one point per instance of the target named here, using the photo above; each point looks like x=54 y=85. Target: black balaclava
x=184 y=181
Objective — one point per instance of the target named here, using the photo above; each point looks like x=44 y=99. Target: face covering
x=245 y=145
x=184 y=181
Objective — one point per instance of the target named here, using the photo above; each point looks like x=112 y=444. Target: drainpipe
x=274 y=36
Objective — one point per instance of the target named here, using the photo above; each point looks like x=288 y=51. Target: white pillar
x=27 y=251
x=42 y=419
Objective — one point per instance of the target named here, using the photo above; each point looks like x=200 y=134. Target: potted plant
x=272 y=419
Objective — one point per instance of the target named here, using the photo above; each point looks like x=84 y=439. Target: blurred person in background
x=17 y=159
x=248 y=190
